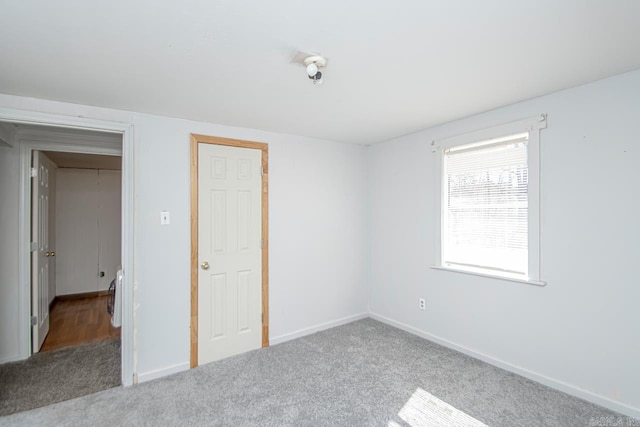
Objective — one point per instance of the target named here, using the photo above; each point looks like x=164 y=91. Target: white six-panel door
x=229 y=251
x=40 y=250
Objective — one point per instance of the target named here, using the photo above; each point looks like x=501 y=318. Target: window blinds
x=485 y=203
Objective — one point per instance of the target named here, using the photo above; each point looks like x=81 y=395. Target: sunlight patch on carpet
x=425 y=410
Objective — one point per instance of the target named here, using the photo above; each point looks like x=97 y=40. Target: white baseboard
x=313 y=329
x=152 y=375
x=11 y=359
x=542 y=379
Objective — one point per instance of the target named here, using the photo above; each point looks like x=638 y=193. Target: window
x=488 y=191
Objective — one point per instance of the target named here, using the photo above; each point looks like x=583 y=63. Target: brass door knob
x=53 y=254
x=205 y=265
x=47 y=254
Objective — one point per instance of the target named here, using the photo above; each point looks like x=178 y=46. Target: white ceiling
x=394 y=66
x=84 y=161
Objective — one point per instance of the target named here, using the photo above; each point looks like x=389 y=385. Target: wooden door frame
x=264 y=148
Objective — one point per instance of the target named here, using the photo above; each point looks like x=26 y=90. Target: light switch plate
x=164 y=218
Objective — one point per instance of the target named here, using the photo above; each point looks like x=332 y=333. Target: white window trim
x=532 y=125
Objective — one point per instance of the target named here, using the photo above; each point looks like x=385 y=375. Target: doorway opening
x=83 y=247
x=77 y=139
x=71 y=188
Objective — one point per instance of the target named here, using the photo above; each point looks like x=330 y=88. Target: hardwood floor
x=79 y=321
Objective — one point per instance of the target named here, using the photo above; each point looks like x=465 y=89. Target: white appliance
x=116 y=318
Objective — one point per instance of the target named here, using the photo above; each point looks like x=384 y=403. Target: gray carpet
x=362 y=374
x=57 y=375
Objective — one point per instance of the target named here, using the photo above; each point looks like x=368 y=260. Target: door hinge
x=33 y=172
x=34 y=246
x=34 y=320
x=261 y=243
x=262 y=317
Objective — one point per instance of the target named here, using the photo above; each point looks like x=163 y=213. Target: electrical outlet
x=423 y=304
x=164 y=218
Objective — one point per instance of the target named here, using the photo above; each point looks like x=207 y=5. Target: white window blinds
x=485 y=206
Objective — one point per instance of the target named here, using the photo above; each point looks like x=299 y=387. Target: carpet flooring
x=57 y=375
x=364 y=373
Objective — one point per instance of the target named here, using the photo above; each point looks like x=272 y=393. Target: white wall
x=77 y=231
x=109 y=225
x=88 y=229
x=580 y=331
x=9 y=290
x=317 y=231
x=7 y=133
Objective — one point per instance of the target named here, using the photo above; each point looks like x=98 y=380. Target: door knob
x=47 y=254
x=205 y=265
x=53 y=254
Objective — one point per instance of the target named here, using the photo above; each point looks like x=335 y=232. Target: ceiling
x=394 y=67
x=84 y=161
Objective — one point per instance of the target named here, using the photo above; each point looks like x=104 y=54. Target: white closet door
x=230 y=256
x=108 y=226
x=77 y=209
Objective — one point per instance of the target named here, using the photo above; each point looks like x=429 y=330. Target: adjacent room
x=275 y=213
x=74 y=206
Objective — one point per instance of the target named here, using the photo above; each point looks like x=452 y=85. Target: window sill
x=492 y=276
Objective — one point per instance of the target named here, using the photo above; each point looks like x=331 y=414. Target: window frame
x=530 y=125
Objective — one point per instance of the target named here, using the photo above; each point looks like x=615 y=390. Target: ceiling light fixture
x=314 y=64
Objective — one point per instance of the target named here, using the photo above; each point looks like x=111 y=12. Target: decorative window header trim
x=528 y=124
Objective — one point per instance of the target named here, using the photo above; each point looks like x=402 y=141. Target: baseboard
x=317 y=328
x=11 y=359
x=159 y=373
x=542 y=379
